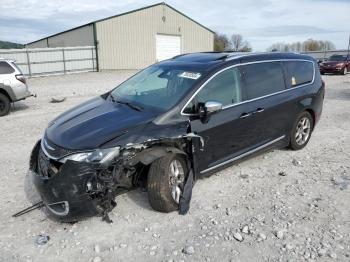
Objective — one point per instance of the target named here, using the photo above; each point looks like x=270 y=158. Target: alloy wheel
x=303 y=131
x=176 y=179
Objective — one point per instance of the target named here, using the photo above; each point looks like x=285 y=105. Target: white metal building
x=136 y=39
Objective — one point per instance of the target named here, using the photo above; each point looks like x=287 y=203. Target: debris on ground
x=296 y=162
x=42 y=239
x=343 y=182
x=57 y=99
x=188 y=250
x=238 y=236
x=244 y=176
x=282 y=173
x=245 y=229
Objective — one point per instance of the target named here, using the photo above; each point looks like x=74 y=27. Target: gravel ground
x=279 y=206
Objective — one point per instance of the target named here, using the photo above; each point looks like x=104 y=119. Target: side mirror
x=212 y=106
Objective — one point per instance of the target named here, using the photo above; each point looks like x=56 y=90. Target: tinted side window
x=262 y=79
x=5 y=68
x=224 y=88
x=298 y=73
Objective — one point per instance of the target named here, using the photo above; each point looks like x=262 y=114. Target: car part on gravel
x=42 y=239
x=29 y=209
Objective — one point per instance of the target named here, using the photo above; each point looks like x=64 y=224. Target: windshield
x=160 y=86
x=337 y=58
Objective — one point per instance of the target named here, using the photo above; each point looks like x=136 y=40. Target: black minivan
x=172 y=123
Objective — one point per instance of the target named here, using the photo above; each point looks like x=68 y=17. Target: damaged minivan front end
x=75 y=185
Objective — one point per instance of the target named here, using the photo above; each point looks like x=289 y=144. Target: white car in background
x=13 y=85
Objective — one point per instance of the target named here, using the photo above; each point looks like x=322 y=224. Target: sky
x=261 y=22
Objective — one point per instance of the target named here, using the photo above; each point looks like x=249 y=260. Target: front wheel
x=165 y=182
x=301 y=131
x=345 y=70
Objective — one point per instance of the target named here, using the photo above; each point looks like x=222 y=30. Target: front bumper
x=69 y=191
x=330 y=69
x=65 y=194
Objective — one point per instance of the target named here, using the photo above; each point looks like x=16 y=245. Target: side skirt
x=243 y=155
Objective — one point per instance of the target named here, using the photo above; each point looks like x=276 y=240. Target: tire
x=301 y=131
x=5 y=105
x=345 y=70
x=159 y=183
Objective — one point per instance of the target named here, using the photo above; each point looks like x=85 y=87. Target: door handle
x=245 y=115
x=259 y=110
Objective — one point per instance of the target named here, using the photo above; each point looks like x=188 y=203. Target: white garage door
x=167 y=46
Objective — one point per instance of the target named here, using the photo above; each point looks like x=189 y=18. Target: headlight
x=100 y=156
x=340 y=64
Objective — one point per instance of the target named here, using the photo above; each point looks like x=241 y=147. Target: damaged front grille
x=46 y=168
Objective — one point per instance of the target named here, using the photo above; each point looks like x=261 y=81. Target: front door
x=230 y=131
x=253 y=114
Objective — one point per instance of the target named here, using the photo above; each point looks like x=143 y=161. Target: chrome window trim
x=243 y=155
x=247 y=101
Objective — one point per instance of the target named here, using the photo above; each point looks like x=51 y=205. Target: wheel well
x=2 y=91
x=144 y=160
x=312 y=113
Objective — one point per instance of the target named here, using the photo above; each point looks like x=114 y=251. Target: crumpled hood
x=93 y=123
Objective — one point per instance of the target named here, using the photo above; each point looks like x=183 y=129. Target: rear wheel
x=301 y=131
x=5 y=104
x=165 y=182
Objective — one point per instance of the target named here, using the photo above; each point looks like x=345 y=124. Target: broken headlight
x=101 y=156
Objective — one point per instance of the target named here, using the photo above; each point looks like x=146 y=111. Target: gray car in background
x=13 y=85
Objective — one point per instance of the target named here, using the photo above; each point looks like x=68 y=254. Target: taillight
x=21 y=78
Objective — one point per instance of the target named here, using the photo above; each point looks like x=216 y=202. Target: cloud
x=261 y=22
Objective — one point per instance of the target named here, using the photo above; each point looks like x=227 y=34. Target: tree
x=238 y=44
x=10 y=45
x=221 y=42
x=308 y=45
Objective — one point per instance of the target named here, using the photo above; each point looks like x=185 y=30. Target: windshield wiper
x=133 y=106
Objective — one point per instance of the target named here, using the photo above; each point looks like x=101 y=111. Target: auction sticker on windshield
x=190 y=75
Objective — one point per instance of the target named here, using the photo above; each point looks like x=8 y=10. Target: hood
x=93 y=123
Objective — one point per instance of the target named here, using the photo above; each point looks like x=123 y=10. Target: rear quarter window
x=5 y=68
x=262 y=79
x=298 y=73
